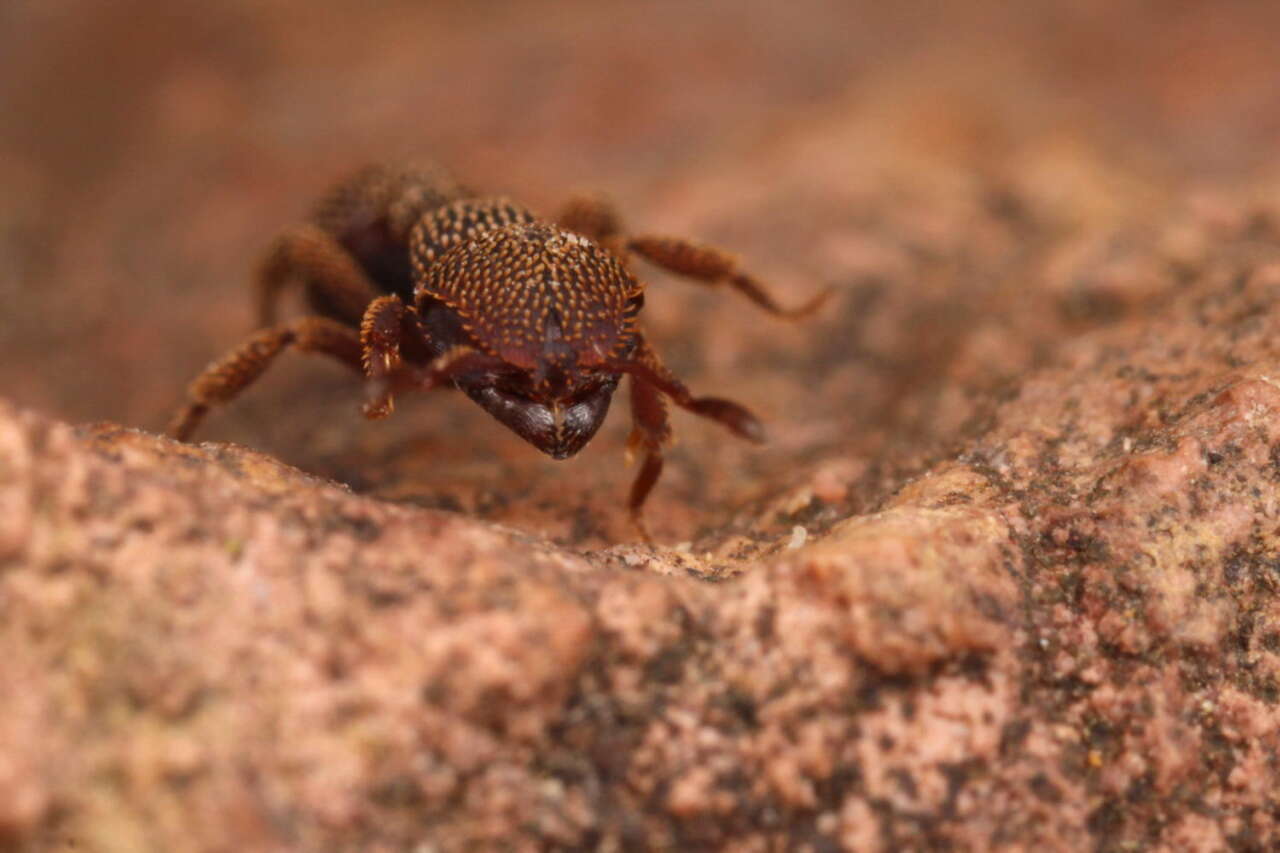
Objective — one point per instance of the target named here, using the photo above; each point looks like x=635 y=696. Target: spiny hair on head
x=517 y=282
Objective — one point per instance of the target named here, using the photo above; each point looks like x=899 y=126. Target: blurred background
x=976 y=178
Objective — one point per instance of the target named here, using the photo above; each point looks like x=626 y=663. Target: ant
x=417 y=283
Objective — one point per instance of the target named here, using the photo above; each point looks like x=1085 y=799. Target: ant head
x=556 y=309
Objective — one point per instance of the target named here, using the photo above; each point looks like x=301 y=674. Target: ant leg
x=382 y=331
x=390 y=327
x=596 y=219
x=222 y=380
x=592 y=216
x=311 y=254
x=645 y=365
x=650 y=430
x=709 y=265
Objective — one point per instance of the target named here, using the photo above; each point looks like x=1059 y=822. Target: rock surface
x=1007 y=577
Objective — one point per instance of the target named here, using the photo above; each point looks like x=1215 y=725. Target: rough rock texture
x=1007 y=577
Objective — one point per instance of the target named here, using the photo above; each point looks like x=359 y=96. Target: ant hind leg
x=595 y=218
x=709 y=265
x=225 y=378
x=336 y=284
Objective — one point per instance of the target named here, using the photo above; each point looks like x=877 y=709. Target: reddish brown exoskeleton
x=418 y=283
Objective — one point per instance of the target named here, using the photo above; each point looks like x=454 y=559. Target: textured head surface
x=535 y=295
x=465 y=219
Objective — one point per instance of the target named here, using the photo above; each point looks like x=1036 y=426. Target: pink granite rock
x=1006 y=577
x=1068 y=635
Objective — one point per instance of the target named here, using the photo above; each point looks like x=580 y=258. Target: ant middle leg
x=592 y=216
x=650 y=432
